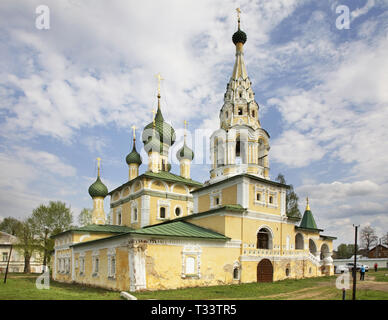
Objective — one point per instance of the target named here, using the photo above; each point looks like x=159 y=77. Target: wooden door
x=264 y=271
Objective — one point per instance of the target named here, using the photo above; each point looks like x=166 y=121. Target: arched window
x=299 y=242
x=264 y=239
x=119 y=218
x=226 y=114
x=270 y=199
x=162 y=213
x=220 y=152
x=312 y=247
x=238 y=147
x=253 y=113
x=134 y=214
x=236 y=273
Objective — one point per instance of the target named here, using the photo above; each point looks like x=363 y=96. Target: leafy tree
x=27 y=242
x=85 y=217
x=368 y=237
x=50 y=220
x=10 y=225
x=345 y=251
x=292 y=198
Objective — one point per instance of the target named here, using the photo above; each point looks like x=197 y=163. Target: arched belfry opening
x=264 y=239
x=312 y=247
x=238 y=150
x=299 y=242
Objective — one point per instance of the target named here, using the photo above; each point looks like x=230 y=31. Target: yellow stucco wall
x=216 y=267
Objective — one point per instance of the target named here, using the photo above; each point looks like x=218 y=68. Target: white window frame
x=213 y=196
x=95 y=264
x=165 y=204
x=133 y=208
x=111 y=256
x=195 y=253
x=261 y=190
x=181 y=211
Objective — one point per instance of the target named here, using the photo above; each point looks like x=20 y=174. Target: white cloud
x=295 y=149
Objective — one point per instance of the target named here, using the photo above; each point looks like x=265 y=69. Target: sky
x=71 y=93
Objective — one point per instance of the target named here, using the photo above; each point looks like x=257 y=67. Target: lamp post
x=6 y=270
x=355 y=262
x=46 y=231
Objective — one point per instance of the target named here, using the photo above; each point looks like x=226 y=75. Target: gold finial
x=185 y=123
x=134 y=132
x=159 y=77
x=98 y=166
x=238 y=17
x=307 y=205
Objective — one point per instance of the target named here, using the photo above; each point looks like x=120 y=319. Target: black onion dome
x=239 y=37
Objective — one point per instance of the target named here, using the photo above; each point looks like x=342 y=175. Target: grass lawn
x=20 y=286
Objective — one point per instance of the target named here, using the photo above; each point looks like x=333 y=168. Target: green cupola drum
x=98 y=191
x=158 y=136
x=133 y=159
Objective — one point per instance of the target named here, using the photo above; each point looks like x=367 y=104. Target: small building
x=16 y=263
x=379 y=251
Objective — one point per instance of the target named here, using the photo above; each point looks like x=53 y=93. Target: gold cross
x=98 y=166
x=238 y=16
x=159 y=77
x=185 y=123
x=134 y=132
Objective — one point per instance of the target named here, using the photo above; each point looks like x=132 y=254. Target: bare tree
x=368 y=237
x=385 y=239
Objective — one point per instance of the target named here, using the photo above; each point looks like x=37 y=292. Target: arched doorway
x=264 y=271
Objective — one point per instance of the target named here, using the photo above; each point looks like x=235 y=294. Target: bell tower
x=241 y=145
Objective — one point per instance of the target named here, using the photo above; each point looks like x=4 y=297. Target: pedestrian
x=362 y=272
x=376 y=267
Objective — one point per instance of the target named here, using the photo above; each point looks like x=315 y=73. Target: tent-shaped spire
x=308 y=221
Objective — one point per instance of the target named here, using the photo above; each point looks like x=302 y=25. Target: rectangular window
x=190 y=265
x=5 y=256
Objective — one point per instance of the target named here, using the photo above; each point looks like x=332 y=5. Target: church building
x=168 y=231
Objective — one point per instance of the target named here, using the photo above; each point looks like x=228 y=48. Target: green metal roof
x=179 y=229
x=308 y=221
x=98 y=228
x=228 y=207
x=168 y=176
